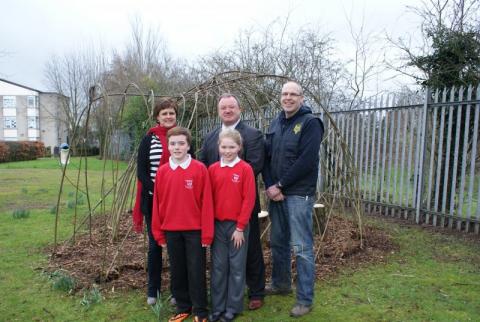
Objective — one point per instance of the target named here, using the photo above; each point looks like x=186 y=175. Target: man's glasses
x=286 y=94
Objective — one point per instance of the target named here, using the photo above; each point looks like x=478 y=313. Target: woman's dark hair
x=164 y=104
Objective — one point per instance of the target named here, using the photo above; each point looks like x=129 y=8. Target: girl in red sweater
x=233 y=185
x=183 y=222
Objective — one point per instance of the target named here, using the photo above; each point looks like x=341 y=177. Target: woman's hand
x=238 y=238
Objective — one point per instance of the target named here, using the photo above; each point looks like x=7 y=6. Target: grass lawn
x=433 y=276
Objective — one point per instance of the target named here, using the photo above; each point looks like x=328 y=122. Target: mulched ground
x=86 y=258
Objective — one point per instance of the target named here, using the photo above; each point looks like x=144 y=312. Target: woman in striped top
x=152 y=153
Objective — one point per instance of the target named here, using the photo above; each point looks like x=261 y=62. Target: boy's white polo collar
x=232 y=127
x=231 y=164
x=182 y=165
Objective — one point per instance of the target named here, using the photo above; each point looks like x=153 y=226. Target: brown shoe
x=255 y=304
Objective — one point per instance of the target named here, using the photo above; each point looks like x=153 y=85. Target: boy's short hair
x=231 y=134
x=163 y=105
x=178 y=130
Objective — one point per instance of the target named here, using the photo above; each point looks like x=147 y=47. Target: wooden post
x=319 y=215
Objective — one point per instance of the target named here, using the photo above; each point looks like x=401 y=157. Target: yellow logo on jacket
x=297 y=128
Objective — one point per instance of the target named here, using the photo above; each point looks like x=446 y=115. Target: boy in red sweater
x=182 y=221
x=233 y=185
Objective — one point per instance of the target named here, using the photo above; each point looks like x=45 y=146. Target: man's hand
x=274 y=193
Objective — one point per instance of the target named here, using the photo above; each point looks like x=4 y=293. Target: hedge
x=21 y=150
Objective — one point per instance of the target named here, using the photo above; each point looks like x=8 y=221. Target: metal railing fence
x=417 y=160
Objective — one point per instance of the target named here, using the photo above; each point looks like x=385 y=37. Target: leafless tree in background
x=304 y=54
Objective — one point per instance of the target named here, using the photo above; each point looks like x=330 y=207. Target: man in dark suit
x=253 y=152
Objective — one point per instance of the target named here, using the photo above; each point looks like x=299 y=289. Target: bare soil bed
x=87 y=257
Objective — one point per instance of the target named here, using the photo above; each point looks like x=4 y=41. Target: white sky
x=32 y=30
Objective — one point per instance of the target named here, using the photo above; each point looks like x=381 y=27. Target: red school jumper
x=233 y=192
x=182 y=200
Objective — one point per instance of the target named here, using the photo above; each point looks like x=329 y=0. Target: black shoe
x=269 y=290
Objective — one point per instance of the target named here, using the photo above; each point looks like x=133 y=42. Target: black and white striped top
x=156 y=151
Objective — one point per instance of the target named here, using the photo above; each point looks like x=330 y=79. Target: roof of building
x=29 y=88
x=16 y=84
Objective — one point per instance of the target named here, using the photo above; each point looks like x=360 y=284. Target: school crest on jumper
x=297 y=128
x=235 y=178
x=189 y=183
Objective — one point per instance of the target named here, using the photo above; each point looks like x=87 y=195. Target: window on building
x=32 y=101
x=9 y=101
x=9 y=111
x=10 y=122
x=33 y=122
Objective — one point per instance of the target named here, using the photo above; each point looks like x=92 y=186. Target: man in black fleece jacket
x=290 y=175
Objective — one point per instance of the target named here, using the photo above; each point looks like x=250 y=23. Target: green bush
x=91 y=297
x=161 y=308
x=61 y=281
x=80 y=200
x=85 y=151
x=20 y=213
x=71 y=204
x=48 y=152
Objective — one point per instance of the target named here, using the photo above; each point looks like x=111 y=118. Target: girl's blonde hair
x=231 y=134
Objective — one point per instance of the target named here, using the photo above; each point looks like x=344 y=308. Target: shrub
x=20 y=213
x=4 y=152
x=37 y=148
x=80 y=200
x=48 y=152
x=85 y=150
x=62 y=281
x=71 y=204
x=161 y=308
x=21 y=150
x=91 y=297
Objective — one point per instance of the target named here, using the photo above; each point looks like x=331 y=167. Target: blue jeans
x=292 y=227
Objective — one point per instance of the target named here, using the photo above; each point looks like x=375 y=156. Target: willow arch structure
x=259 y=94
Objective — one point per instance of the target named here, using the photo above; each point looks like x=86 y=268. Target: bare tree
x=71 y=75
x=146 y=62
x=305 y=54
x=367 y=63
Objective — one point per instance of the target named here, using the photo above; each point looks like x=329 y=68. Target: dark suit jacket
x=253 y=147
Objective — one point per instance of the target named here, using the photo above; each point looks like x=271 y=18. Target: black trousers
x=255 y=270
x=154 y=260
x=188 y=271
